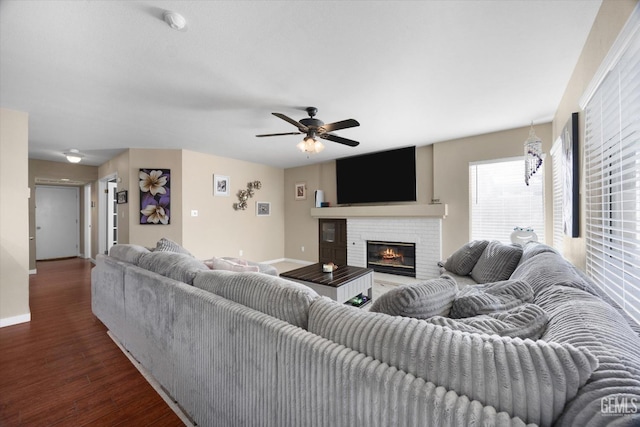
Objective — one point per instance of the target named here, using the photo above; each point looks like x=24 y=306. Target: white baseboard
x=298 y=261
x=15 y=320
x=34 y=271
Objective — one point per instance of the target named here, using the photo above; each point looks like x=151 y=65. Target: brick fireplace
x=425 y=233
x=418 y=224
x=392 y=257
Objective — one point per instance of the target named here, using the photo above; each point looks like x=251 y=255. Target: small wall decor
x=121 y=197
x=245 y=195
x=155 y=196
x=571 y=179
x=221 y=185
x=263 y=208
x=301 y=190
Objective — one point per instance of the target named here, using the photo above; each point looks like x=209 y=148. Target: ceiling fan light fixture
x=310 y=145
x=73 y=156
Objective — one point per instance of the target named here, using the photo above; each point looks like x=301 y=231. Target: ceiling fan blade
x=344 y=124
x=339 y=139
x=299 y=125
x=279 y=134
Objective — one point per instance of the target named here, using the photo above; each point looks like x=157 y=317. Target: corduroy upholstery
x=127 y=252
x=421 y=301
x=497 y=262
x=177 y=266
x=489 y=298
x=280 y=298
x=527 y=379
x=523 y=321
x=462 y=261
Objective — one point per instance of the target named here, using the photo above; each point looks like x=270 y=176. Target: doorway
x=107 y=213
x=57 y=227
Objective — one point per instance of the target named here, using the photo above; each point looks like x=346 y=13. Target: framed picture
x=571 y=178
x=155 y=196
x=263 y=208
x=221 y=185
x=301 y=190
x=121 y=197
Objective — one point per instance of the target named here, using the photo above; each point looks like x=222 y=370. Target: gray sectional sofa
x=253 y=349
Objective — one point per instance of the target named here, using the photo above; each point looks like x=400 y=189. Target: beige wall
x=219 y=230
x=14 y=217
x=451 y=176
x=301 y=230
x=44 y=169
x=611 y=18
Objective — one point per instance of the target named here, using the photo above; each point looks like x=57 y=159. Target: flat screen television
x=384 y=176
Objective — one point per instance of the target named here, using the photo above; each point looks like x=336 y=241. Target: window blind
x=612 y=178
x=500 y=200
x=557 y=175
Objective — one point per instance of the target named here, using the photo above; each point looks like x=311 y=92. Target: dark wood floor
x=62 y=369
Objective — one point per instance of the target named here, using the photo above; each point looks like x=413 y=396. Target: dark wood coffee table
x=343 y=284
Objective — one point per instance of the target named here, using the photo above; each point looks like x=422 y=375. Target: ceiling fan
x=315 y=128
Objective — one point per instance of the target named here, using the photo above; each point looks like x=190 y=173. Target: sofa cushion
x=174 y=265
x=284 y=299
x=546 y=269
x=496 y=263
x=532 y=380
x=166 y=245
x=463 y=260
x=423 y=300
x=531 y=249
x=263 y=267
x=489 y=298
x=127 y=252
x=229 y=265
x=524 y=321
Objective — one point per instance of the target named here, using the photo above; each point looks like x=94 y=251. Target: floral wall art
x=155 y=196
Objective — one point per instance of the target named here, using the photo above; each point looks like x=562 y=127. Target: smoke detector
x=175 y=20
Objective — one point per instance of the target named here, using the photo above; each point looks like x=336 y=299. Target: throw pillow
x=489 y=298
x=463 y=260
x=127 y=252
x=228 y=265
x=166 y=245
x=497 y=262
x=526 y=321
x=421 y=301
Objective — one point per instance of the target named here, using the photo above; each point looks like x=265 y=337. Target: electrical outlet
x=302 y=248
x=194 y=212
x=240 y=252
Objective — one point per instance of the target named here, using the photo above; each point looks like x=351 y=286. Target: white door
x=57 y=212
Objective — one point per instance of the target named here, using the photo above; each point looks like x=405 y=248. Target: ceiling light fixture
x=175 y=20
x=74 y=156
x=310 y=145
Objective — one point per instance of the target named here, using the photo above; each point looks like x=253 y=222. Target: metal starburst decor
x=245 y=195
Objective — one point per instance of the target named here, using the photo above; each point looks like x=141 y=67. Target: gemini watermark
x=618 y=406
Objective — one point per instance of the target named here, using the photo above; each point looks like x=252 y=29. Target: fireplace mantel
x=428 y=211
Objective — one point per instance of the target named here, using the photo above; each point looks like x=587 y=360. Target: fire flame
x=390 y=254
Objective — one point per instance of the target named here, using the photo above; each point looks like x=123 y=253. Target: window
x=612 y=173
x=556 y=165
x=500 y=200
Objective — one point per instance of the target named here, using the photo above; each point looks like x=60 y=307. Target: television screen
x=385 y=176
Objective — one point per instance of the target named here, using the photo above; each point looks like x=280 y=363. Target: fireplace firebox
x=392 y=257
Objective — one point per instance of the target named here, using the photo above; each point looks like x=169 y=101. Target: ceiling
x=104 y=76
